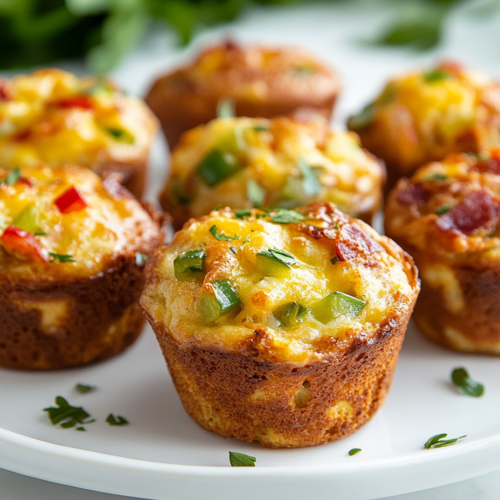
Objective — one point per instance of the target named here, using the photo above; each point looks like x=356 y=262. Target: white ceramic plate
x=163 y=455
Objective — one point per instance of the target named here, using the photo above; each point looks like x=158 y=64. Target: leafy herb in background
x=442 y=210
x=116 y=421
x=67 y=416
x=437 y=441
x=310 y=183
x=354 y=451
x=38 y=32
x=61 y=258
x=285 y=216
x=255 y=194
x=462 y=381
x=241 y=460
x=222 y=236
x=12 y=178
x=84 y=388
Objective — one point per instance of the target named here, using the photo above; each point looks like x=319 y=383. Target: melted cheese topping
x=55 y=117
x=387 y=283
x=112 y=224
x=269 y=152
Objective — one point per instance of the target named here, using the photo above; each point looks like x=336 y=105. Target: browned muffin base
x=83 y=322
x=132 y=174
x=476 y=326
x=241 y=396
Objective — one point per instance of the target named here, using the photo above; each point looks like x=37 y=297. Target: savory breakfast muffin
x=281 y=326
x=283 y=162
x=55 y=117
x=446 y=216
x=72 y=249
x=261 y=81
x=424 y=115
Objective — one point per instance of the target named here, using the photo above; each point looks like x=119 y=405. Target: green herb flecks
x=280 y=256
x=140 y=258
x=364 y=118
x=116 y=421
x=245 y=241
x=435 y=75
x=285 y=216
x=225 y=109
x=260 y=128
x=121 y=135
x=241 y=460
x=290 y=314
x=63 y=258
x=437 y=176
x=354 y=451
x=335 y=260
x=84 y=388
x=460 y=377
x=12 y=178
x=437 y=441
x=255 y=193
x=67 y=416
x=310 y=183
x=221 y=236
x=234 y=250
x=217 y=166
x=442 y=210
x=241 y=214
x=304 y=70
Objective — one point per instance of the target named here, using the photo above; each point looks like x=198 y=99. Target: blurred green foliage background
x=37 y=32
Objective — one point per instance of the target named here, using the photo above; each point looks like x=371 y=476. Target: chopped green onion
x=364 y=118
x=255 y=194
x=216 y=166
x=275 y=262
x=240 y=214
x=442 y=210
x=436 y=177
x=241 y=460
x=354 y=451
x=84 y=388
x=310 y=183
x=260 y=128
x=190 y=266
x=290 y=314
x=28 y=220
x=460 y=377
x=12 y=178
x=63 y=259
x=121 y=135
x=287 y=217
x=223 y=300
x=222 y=236
x=116 y=421
x=335 y=305
x=436 y=75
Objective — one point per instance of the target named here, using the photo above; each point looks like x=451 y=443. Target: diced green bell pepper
x=190 y=266
x=223 y=300
x=275 y=263
x=216 y=166
x=28 y=220
x=337 y=304
x=290 y=314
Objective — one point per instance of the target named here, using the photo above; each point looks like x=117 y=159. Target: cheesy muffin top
x=450 y=209
x=283 y=162
x=254 y=73
x=289 y=285
x=424 y=115
x=64 y=223
x=55 y=117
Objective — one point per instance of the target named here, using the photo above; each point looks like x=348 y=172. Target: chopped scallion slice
x=335 y=305
x=223 y=300
x=462 y=381
x=190 y=266
x=255 y=194
x=216 y=166
x=310 y=183
x=290 y=314
x=221 y=236
x=275 y=262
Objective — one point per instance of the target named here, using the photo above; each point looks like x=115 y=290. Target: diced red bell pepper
x=82 y=102
x=22 y=244
x=4 y=90
x=70 y=201
x=24 y=181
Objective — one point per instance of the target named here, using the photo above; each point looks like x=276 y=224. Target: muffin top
x=434 y=112
x=283 y=285
x=55 y=117
x=246 y=162
x=65 y=223
x=450 y=209
x=254 y=73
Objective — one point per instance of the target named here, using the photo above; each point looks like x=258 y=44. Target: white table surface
x=335 y=33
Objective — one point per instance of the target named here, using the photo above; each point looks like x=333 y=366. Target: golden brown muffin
x=261 y=81
x=424 y=115
x=446 y=216
x=72 y=249
x=284 y=162
x=55 y=117
x=281 y=327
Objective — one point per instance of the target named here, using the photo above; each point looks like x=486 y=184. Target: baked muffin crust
x=285 y=162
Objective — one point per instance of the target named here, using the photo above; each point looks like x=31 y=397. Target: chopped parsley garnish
x=116 y=421
x=280 y=256
x=84 y=388
x=442 y=210
x=462 y=381
x=217 y=207
x=234 y=250
x=310 y=183
x=240 y=214
x=260 y=128
x=61 y=258
x=245 y=241
x=67 y=416
x=437 y=177
x=436 y=75
x=241 y=460
x=304 y=70
x=222 y=236
x=217 y=166
x=81 y=429
x=225 y=109
x=12 y=178
x=354 y=451
x=40 y=234
x=140 y=258
x=285 y=216
x=255 y=194
x=437 y=441
x=121 y=135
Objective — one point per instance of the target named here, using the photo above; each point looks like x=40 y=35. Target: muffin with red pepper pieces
x=72 y=249
x=55 y=117
x=260 y=81
x=283 y=162
x=447 y=217
x=424 y=115
x=280 y=326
